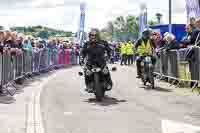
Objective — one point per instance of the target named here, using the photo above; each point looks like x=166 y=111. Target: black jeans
x=130 y=59
x=138 y=65
x=124 y=59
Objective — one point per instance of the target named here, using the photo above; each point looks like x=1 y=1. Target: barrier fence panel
x=53 y=57
x=44 y=60
x=61 y=57
x=182 y=65
x=1 y=69
x=196 y=65
x=198 y=62
x=67 y=56
x=163 y=63
x=27 y=62
x=172 y=63
x=73 y=57
x=49 y=56
x=36 y=60
x=18 y=65
x=13 y=68
x=6 y=68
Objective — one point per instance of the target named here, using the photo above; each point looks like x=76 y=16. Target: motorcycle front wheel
x=99 y=91
x=143 y=77
x=151 y=78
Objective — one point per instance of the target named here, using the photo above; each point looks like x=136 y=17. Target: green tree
x=152 y=22
x=132 y=25
x=43 y=34
x=110 y=27
x=120 y=24
x=125 y=27
x=108 y=32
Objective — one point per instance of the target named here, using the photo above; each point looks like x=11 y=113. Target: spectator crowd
x=22 y=55
x=15 y=43
x=168 y=41
x=125 y=52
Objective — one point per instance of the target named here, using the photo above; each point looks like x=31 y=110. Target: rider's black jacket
x=95 y=54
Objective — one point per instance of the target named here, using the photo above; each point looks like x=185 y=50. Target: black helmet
x=146 y=32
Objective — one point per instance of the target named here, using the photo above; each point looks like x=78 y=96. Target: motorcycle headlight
x=95 y=70
x=105 y=70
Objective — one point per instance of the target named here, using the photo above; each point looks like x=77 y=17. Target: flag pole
x=170 y=16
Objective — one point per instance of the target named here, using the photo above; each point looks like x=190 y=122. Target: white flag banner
x=193 y=8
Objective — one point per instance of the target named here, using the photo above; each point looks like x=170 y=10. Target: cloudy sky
x=64 y=14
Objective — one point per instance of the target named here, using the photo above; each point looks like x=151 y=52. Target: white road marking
x=169 y=126
x=34 y=124
x=68 y=113
x=30 y=119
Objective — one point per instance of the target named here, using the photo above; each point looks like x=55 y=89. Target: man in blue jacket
x=195 y=39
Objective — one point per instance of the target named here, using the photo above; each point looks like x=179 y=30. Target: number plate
x=96 y=69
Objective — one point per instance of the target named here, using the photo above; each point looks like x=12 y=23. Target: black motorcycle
x=98 y=84
x=147 y=71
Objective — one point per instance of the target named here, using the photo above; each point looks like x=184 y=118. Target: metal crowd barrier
x=13 y=67
x=173 y=65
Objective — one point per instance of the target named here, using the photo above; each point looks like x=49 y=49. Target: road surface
x=128 y=108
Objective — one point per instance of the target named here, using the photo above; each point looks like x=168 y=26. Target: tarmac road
x=128 y=108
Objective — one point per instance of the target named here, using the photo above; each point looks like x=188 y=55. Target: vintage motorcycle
x=98 y=84
x=148 y=71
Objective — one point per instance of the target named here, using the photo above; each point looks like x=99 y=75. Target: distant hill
x=43 y=32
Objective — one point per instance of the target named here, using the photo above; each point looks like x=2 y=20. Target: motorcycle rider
x=94 y=52
x=144 y=46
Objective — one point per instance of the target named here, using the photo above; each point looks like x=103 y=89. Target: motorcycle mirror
x=114 y=69
x=80 y=73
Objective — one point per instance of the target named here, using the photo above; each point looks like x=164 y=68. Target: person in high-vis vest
x=144 y=46
x=123 y=54
x=129 y=52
